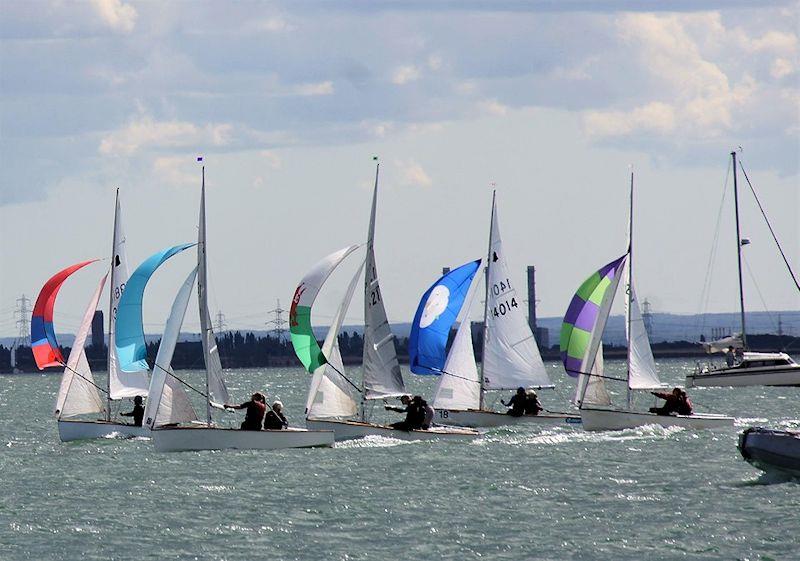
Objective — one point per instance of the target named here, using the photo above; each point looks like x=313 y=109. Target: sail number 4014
x=504 y=307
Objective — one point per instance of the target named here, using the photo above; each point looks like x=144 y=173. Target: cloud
x=494 y=107
x=319 y=88
x=402 y=75
x=115 y=14
x=653 y=117
x=412 y=174
x=272 y=160
x=274 y=24
x=176 y=170
x=146 y=133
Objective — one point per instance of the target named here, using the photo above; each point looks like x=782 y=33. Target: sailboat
x=581 y=351
x=78 y=393
x=120 y=385
x=754 y=368
x=511 y=357
x=333 y=398
x=169 y=405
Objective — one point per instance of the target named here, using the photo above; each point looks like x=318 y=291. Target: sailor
x=730 y=358
x=137 y=413
x=532 y=405
x=516 y=403
x=428 y=414
x=275 y=419
x=256 y=408
x=413 y=410
x=685 y=404
x=672 y=404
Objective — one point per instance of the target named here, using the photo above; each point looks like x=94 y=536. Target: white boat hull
x=485 y=419
x=772 y=450
x=348 y=430
x=178 y=439
x=615 y=419
x=738 y=377
x=69 y=430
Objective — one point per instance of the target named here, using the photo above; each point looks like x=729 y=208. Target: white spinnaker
x=596 y=393
x=511 y=358
x=642 y=367
x=120 y=384
x=330 y=395
x=168 y=402
x=596 y=340
x=78 y=393
x=216 y=384
x=382 y=376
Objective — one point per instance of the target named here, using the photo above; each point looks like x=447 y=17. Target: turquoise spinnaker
x=130 y=344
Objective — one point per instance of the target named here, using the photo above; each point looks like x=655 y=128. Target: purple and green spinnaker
x=586 y=317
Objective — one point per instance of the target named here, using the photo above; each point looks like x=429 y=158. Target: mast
x=629 y=291
x=739 y=248
x=111 y=306
x=369 y=271
x=486 y=299
x=201 y=285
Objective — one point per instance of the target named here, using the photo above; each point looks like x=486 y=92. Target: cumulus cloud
x=176 y=170
x=115 y=14
x=412 y=174
x=146 y=133
x=404 y=74
x=274 y=24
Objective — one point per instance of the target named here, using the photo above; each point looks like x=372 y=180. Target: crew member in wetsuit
x=532 y=405
x=256 y=408
x=685 y=405
x=428 y=413
x=672 y=405
x=516 y=403
x=730 y=358
x=274 y=419
x=137 y=413
x=414 y=414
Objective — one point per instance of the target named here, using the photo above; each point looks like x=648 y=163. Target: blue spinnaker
x=130 y=344
x=436 y=313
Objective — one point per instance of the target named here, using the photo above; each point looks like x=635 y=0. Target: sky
x=550 y=103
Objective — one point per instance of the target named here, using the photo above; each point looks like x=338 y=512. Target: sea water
x=516 y=493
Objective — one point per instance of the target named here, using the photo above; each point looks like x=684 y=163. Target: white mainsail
x=382 y=376
x=459 y=386
x=641 y=364
x=120 y=384
x=511 y=357
x=168 y=402
x=216 y=384
x=78 y=393
x=330 y=395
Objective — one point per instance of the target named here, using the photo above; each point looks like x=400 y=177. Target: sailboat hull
x=179 y=439
x=739 y=377
x=615 y=419
x=771 y=450
x=69 y=430
x=484 y=419
x=348 y=430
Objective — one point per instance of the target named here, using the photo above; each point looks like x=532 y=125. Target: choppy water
x=515 y=494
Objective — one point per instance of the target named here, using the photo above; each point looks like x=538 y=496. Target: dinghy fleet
x=340 y=405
